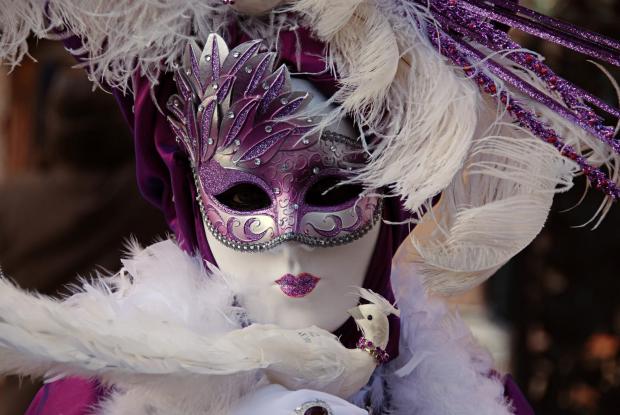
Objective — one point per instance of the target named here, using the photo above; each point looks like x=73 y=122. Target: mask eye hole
x=329 y=191
x=245 y=197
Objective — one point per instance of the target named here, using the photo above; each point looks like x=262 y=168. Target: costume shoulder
x=70 y=396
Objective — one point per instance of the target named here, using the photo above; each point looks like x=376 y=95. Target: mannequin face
x=294 y=245
x=294 y=284
x=297 y=286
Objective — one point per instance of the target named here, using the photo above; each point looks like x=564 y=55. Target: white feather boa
x=140 y=331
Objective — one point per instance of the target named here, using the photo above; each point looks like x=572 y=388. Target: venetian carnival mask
x=263 y=176
x=269 y=182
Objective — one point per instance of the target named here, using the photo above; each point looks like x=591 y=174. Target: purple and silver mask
x=263 y=176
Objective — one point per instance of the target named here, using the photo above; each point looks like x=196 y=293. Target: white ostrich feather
x=394 y=83
x=439 y=134
x=363 y=48
x=121 y=37
x=164 y=315
x=441 y=369
x=493 y=208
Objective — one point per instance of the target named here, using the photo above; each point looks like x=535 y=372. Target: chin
x=293 y=321
x=295 y=313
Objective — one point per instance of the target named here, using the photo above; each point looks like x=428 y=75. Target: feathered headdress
x=459 y=109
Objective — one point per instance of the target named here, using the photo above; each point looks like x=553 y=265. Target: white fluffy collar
x=167 y=310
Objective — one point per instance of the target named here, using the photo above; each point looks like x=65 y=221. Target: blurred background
x=68 y=201
x=68 y=193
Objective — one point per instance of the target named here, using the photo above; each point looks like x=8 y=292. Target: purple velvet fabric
x=516 y=397
x=70 y=396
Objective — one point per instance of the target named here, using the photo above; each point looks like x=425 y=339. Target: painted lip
x=298 y=286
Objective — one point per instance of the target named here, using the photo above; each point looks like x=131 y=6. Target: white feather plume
x=441 y=369
x=439 y=134
x=435 y=133
x=162 y=315
x=121 y=37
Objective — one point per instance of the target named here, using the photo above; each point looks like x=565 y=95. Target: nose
x=292 y=253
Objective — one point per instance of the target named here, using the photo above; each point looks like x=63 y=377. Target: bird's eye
x=245 y=197
x=369 y=317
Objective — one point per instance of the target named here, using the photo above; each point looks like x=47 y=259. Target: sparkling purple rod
x=577 y=32
x=507 y=76
x=525 y=117
x=543 y=32
x=498 y=41
x=577 y=112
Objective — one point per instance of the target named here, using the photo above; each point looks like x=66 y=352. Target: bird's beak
x=355 y=313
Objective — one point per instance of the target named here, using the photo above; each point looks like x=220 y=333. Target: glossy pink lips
x=298 y=286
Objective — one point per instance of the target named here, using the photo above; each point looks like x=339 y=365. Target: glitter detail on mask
x=289 y=218
x=265 y=145
x=273 y=90
x=238 y=122
x=252 y=48
x=261 y=68
x=290 y=107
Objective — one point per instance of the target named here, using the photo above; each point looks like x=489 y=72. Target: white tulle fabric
x=153 y=330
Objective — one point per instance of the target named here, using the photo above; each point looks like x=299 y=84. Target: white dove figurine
x=328 y=366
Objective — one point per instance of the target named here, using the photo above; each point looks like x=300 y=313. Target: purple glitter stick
x=465 y=30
